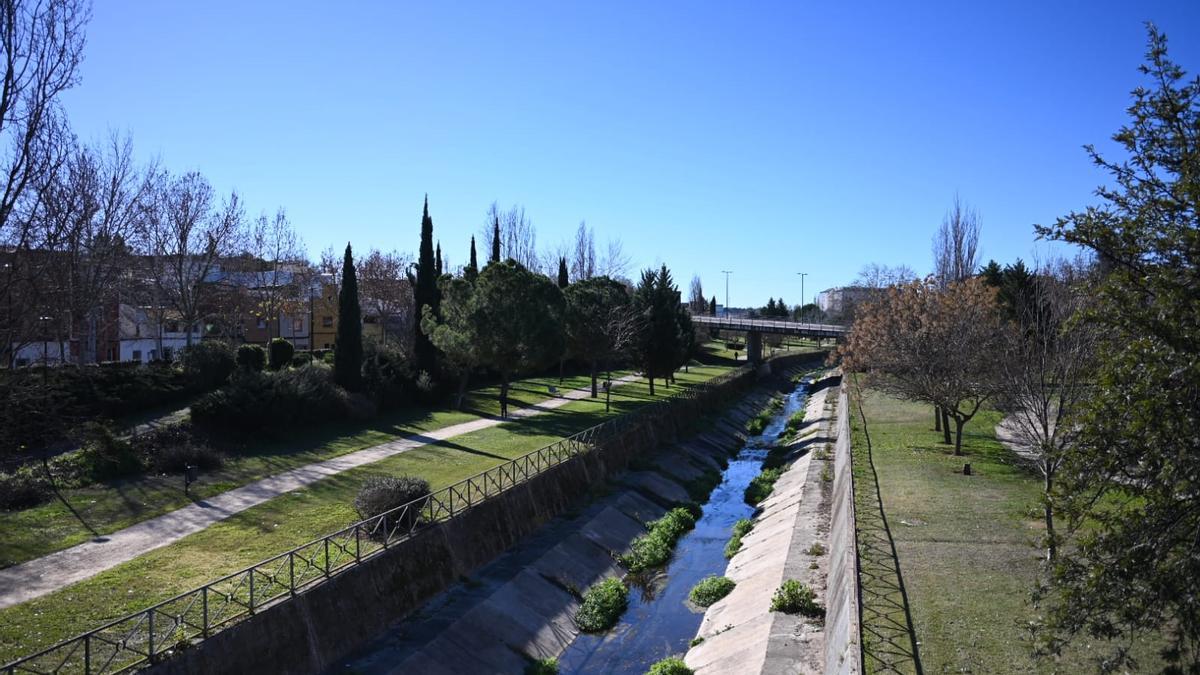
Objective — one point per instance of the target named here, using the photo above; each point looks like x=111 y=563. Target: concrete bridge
x=755 y=328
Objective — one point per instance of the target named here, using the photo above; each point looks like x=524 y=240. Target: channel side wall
x=309 y=632
x=843 y=644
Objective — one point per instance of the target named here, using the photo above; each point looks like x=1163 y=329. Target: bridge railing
x=149 y=635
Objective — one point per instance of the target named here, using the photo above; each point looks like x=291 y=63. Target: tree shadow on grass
x=889 y=640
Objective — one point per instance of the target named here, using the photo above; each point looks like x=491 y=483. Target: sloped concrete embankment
x=522 y=606
x=791 y=539
x=312 y=631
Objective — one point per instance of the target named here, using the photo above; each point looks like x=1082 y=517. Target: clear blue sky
x=763 y=138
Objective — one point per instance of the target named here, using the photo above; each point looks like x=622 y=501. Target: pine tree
x=425 y=293
x=495 y=240
x=472 y=271
x=563 y=281
x=348 y=349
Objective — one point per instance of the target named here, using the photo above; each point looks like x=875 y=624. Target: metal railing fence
x=146 y=636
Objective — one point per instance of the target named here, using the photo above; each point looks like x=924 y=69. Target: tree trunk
x=462 y=388
x=560 y=370
x=651 y=378
x=958 y=427
x=608 y=390
x=945 y=427
x=595 y=392
x=937 y=418
x=1051 y=545
x=504 y=396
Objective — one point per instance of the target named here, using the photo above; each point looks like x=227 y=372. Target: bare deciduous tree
x=276 y=253
x=186 y=236
x=384 y=292
x=615 y=263
x=956 y=245
x=696 y=300
x=874 y=275
x=1046 y=373
x=583 y=257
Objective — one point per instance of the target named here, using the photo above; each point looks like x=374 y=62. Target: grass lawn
x=966 y=544
x=298 y=517
x=106 y=507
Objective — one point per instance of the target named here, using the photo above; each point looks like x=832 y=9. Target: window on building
x=370 y=319
x=262 y=323
x=328 y=346
x=137 y=355
x=327 y=321
x=297 y=325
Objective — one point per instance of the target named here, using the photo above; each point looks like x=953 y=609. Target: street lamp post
x=726 y=273
x=802 y=275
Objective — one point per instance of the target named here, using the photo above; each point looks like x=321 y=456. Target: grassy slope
x=293 y=519
x=105 y=508
x=966 y=544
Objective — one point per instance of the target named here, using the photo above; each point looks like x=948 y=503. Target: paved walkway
x=49 y=573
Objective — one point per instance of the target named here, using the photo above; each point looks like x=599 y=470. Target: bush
x=302 y=359
x=760 y=486
x=279 y=353
x=740 y=529
x=711 y=589
x=547 y=666
x=251 y=358
x=653 y=549
x=23 y=488
x=602 y=606
x=380 y=494
x=386 y=374
x=106 y=457
x=793 y=597
x=254 y=401
x=757 y=424
x=208 y=364
x=670 y=666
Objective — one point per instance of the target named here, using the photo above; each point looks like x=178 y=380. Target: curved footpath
x=35 y=578
x=740 y=633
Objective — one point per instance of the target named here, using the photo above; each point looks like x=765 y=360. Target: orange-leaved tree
x=938 y=345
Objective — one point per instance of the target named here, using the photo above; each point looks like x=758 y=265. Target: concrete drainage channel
x=521 y=608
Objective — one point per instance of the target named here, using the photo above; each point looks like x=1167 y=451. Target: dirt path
x=49 y=573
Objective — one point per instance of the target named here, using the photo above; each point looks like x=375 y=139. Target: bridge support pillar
x=754 y=346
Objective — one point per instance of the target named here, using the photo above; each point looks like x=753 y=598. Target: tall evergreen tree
x=658 y=347
x=348 y=348
x=495 y=240
x=437 y=259
x=425 y=294
x=563 y=280
x=472 y=271
x=712 y=306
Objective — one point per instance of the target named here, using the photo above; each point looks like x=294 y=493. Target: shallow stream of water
x=660 y=621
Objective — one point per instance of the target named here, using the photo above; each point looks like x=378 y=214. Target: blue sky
x=763 y=138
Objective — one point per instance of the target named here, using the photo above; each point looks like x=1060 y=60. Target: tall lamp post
x=726 y=273
x=802 y=275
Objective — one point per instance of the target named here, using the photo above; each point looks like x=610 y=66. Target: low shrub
x=251 y=358
x=670 y=666
x=104 y=456
x=653 y=549
x=760 y=486
x=547 y=666
x=209 y=363
x=794 y=422
x=793 y=597
x=279 y=353
x=23 y=488
x=254 y=401
x=302 y=359
x=740 y=529
x=701 y=486
x=602 y=606
x=816 y=549
x=380 y=494
x=386 y=374
x=711 y=589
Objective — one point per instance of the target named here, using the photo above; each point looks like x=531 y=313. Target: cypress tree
x=563 y=281
x=425 y=294
x=712 y=307
x=472 y=271
x=347 y=348
x=495 y=240
x=437 y=259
